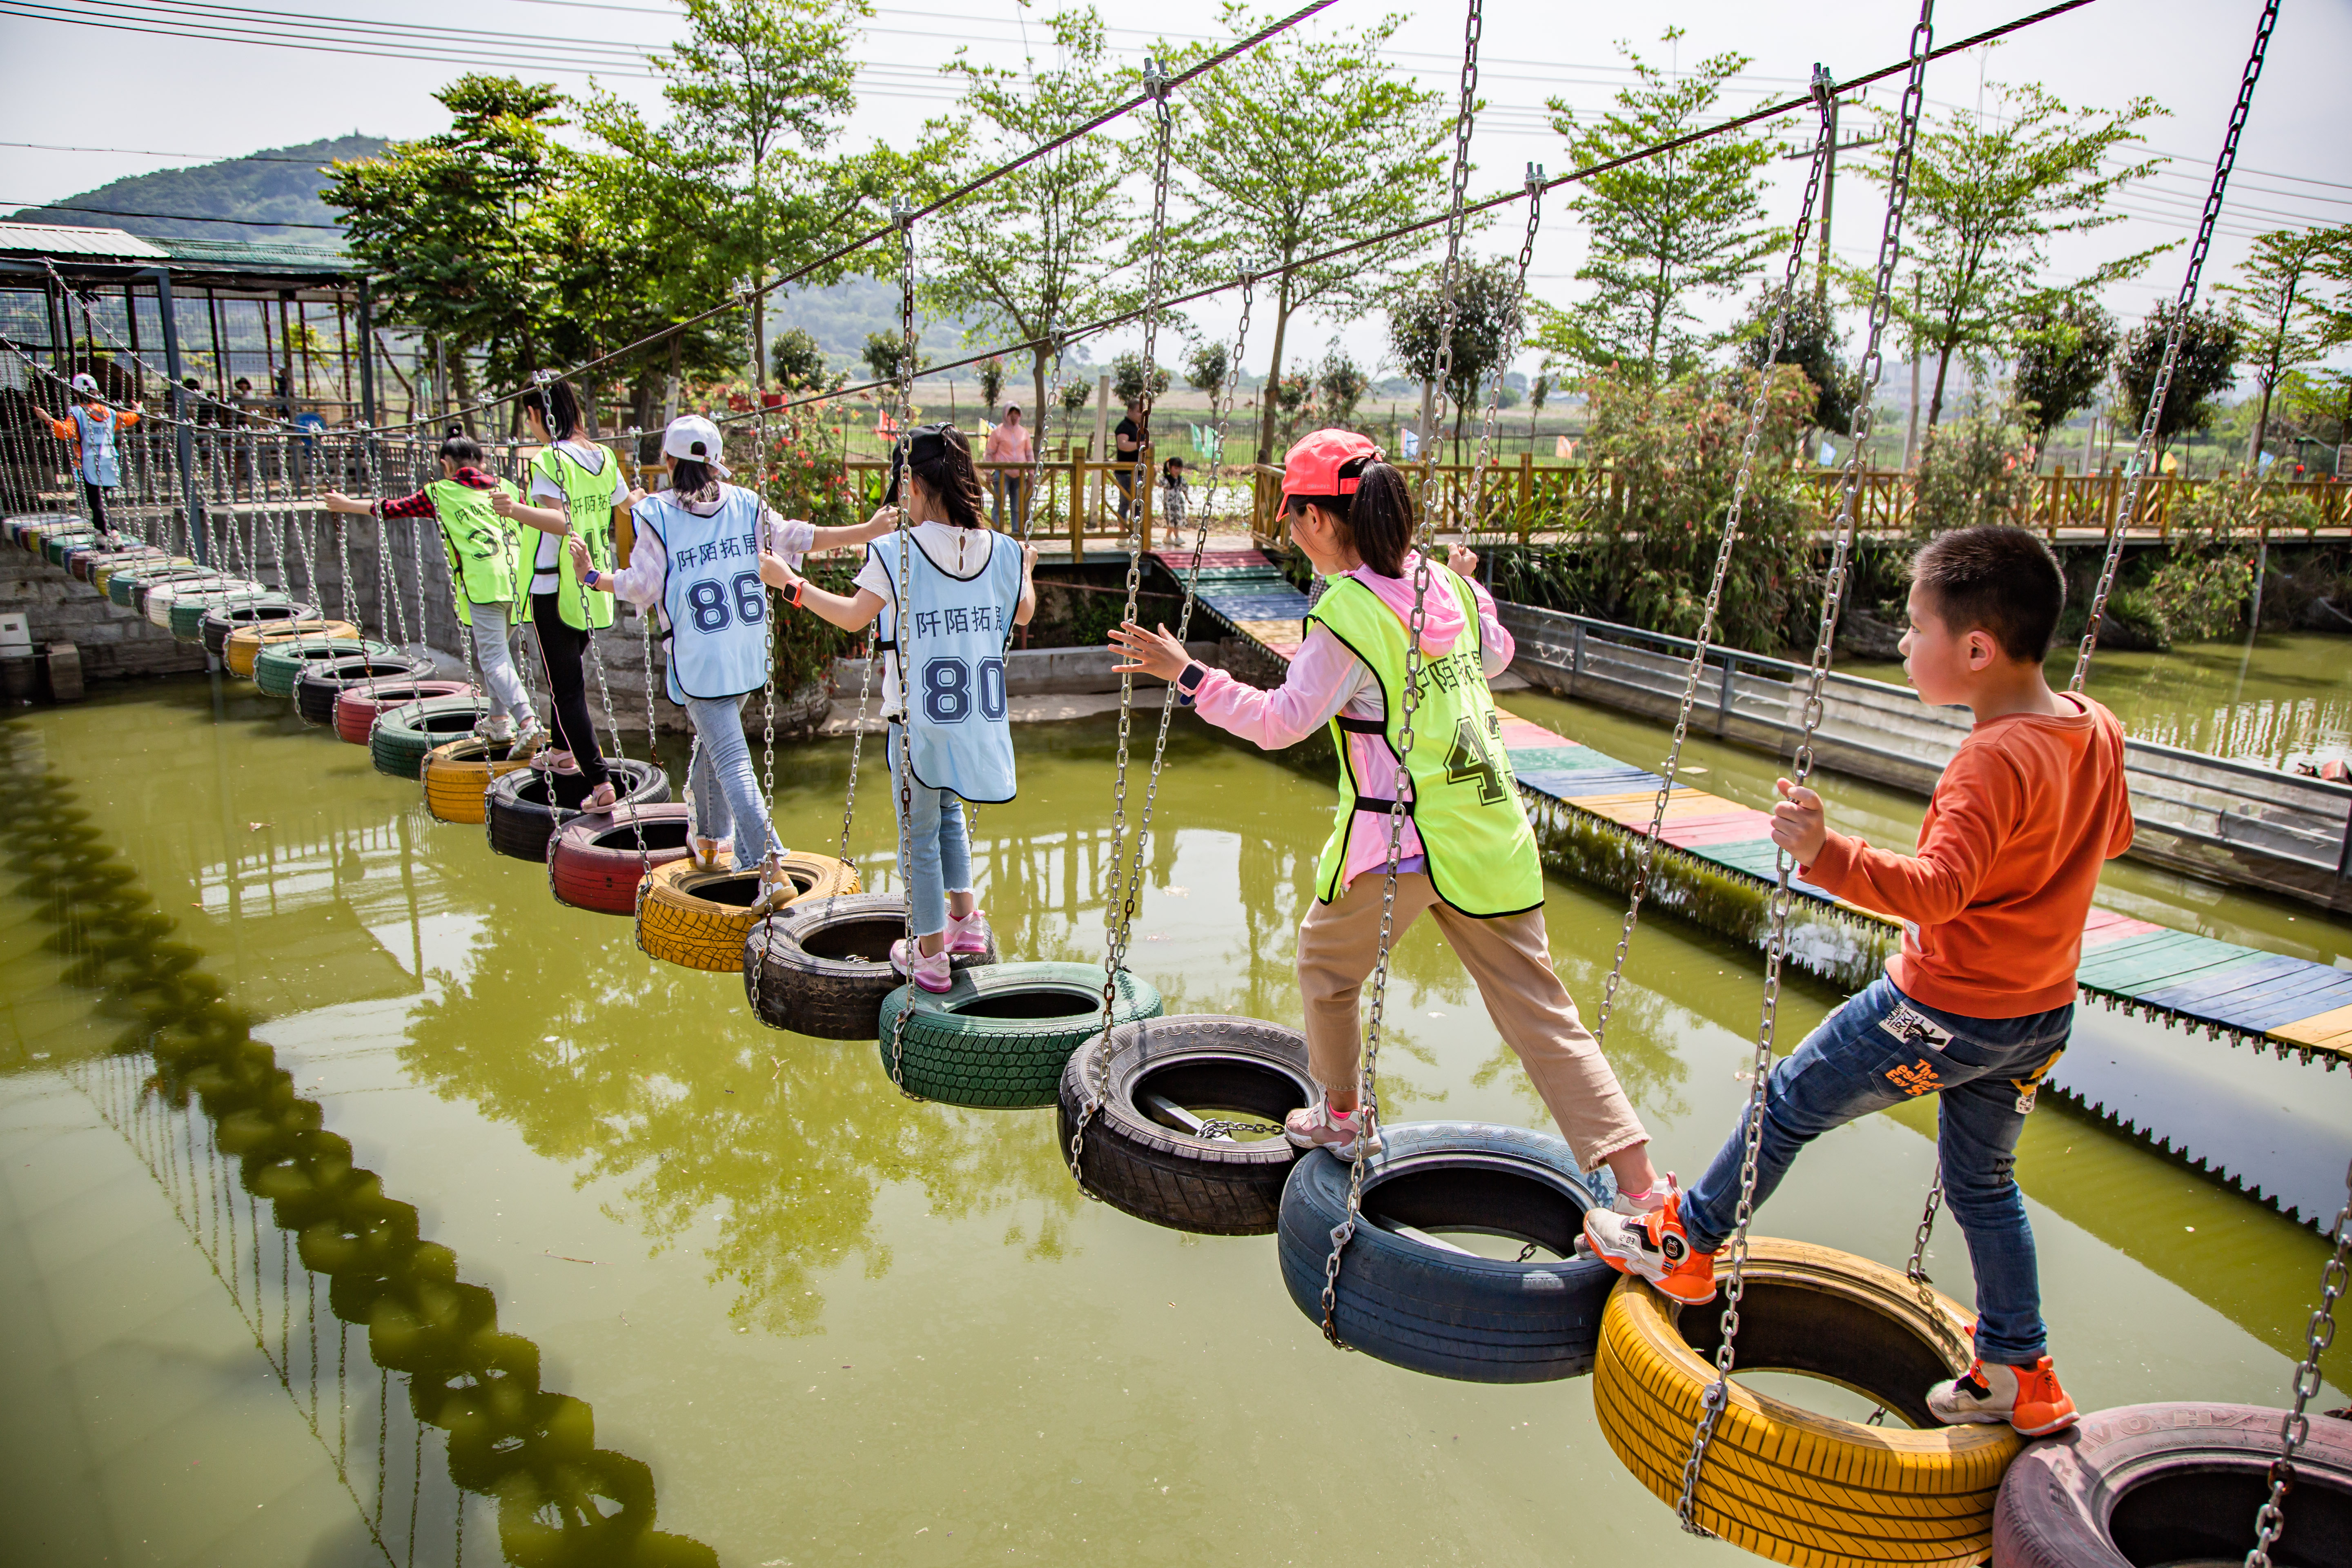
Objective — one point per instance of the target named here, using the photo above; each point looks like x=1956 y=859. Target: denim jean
x=1880 y=1050
x=499 y=678
x=1011 y=488
x=719 y=783
x=937 y=860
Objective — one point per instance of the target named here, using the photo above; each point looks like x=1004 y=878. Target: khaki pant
x=1511 y=961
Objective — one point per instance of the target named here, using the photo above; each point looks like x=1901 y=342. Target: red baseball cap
x=1311 y=466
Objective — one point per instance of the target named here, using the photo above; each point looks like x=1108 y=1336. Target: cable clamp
x=1157 y=83
x=902 y=213
x=1535 y=178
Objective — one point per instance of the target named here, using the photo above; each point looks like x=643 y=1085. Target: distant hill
x=841 y=316
x=276 y=185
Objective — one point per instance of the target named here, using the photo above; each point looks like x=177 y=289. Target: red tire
x=593 y=862
x=357 y=706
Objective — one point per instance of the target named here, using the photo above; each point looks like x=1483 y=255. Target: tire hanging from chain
x=1776 y=947
x=1432 y=496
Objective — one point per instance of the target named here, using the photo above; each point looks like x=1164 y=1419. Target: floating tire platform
x=821 y=967
x=700 y=919
x=356 y=707
x=458 y=775
x=999 y=1037
x=403 y=735
x=596 y=862
x=523 y=808
x=319 y=686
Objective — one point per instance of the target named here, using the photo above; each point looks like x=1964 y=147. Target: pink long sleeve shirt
x=1326 y=679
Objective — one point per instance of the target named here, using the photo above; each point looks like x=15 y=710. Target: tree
x=1810 y=341
x=797 y=359
x=991 y=380
x=1665 y=231
x=1205 y=365
x=757 y=91
x=1484 y=301
x=1307 y=141
x=1987 y=193
x=2207 y=367
x=1340 y=383
x=1128 y=378
x=1034 y=253
x=2284 y=323
x=885 y=356
x=1981 y=472
x=1538 y=394
x=2063 y=354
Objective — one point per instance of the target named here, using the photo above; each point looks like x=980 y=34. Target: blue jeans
x=499 y=678
x=719 y=783
x=1878 y=1050
x=937 y=860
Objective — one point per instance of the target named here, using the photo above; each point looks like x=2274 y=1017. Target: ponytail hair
x=558 y=405
x=1376 y=521
x=461 y=448
x=690 y=480
x=941 y=457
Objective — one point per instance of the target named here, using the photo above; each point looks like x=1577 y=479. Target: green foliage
x=1643 y=545
x=2207 y=366
x=1666 y=232
x=2063 y=352
x=1129 y=381
x=1976 y=470
x=2202 y=589
x=1339 y=386
x=1485 y=299
x=1810 y=341
x=1074 y=395
x=1309 y=140
x=2279 y=297
x=1989 y=193
x=991 y=380
x=1205 y=365
x=796 y=361
x=886 y=357
x=276 y=184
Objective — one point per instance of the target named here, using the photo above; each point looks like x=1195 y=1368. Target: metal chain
x=1692 y=671
x=1126 y=877
x=2296 y=1425
x=1366 y=1067
x=902 y=459
x=1890 y=249
x=2143 y=450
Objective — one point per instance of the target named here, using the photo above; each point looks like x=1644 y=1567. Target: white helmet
x=85 y=384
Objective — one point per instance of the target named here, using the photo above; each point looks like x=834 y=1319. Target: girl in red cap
x=1468 y=856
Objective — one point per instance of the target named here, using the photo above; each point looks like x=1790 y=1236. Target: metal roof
x=241 y=255
x=69 y=239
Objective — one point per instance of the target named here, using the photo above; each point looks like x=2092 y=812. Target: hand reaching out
x=1159 y=654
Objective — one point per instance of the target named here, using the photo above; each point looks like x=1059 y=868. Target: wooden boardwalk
x=2289 y=1005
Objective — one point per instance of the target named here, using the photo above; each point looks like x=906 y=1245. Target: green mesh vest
x=589 y=499
x=484 y=554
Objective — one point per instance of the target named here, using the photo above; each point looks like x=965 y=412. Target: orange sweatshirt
x=1993 y=903
x=124 y=418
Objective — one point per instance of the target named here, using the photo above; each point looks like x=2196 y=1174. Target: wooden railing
x=1077 y=502
x=1525 y=500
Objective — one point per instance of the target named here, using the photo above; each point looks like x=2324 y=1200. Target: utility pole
x=1828 y=194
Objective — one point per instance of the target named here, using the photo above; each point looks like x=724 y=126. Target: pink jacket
x=1326 y=679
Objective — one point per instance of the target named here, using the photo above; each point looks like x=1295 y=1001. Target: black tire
x=1450 y=1314
x=1134 y=1160
x=822 y=967
x=2173 y=1483
x=275 y=610
x=521 y=813
x=999 y=1037
x=318 y=685
x=404 y=734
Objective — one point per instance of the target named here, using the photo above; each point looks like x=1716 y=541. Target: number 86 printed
x=707 y=600
x=947 y=689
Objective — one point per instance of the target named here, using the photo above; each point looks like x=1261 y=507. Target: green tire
x=999 y=1037
x=404 y=734
x=280 y=663
x=188 y=615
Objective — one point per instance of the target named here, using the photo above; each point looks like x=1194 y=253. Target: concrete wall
x=113 y=641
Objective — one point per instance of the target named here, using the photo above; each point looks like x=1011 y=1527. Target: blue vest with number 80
x=711 y=594
x=951 y=631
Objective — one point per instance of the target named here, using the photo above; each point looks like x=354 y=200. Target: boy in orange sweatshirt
x=1978 y=1005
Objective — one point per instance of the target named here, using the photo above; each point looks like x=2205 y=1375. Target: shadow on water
x=216 y=1122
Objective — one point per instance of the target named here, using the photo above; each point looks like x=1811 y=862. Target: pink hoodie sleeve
x=1323 y=677
x=1497 y=647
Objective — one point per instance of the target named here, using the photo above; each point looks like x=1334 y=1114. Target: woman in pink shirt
x=1008 y=443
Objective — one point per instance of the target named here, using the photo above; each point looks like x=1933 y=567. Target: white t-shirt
x=960 y=551
x=546 y=573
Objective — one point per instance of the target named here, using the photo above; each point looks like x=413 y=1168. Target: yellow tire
x=245 y=643
x=1779 y=1480
x=699 y=919
x=457 y=773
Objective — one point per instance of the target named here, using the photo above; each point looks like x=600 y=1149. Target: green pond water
x=833 y=1325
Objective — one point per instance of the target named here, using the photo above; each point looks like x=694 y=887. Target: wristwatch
x=800 y=585
x=1188 y=681
x=589 y=576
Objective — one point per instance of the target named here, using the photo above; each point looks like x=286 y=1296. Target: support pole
x=182 y=438
x=367 y=354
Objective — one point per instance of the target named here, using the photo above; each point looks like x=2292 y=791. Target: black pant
x=563 y=648
x=94 y=497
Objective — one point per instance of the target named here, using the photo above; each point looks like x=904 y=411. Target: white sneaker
x=967 y=933
x=931 y=970
x=1342 y=1131
x=1649 y=1202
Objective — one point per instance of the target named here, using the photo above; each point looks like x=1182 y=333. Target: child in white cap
x=92 y=424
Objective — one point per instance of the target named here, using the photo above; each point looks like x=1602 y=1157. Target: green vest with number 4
x=484 y=554
x=589 y=498
x=1482 y=859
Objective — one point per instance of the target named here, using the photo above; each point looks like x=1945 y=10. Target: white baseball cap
x=86 y=381
x=695 y=438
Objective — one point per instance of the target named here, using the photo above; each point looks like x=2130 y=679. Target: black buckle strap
x=1362 y=726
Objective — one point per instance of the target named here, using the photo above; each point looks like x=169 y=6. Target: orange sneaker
x=2027 y=1397
x=1654 y=1247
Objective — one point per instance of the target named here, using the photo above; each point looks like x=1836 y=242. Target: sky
x=167 y=93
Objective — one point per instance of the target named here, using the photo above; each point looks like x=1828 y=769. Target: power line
x=181 y=217
x=150 y=152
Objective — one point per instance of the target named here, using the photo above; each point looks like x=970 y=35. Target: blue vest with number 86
x=951 y=632
x=711 y=594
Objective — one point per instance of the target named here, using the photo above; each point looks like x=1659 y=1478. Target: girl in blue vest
x=948 y=595
x=92 y=424
x=697 y=558
x=1467 y=857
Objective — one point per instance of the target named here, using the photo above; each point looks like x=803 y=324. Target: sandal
x=556 y=762
x=603 y=797
x=776 y=887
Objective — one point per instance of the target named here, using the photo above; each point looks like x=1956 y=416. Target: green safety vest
x=1482 y=854
x=484 y=554
x=590 y=498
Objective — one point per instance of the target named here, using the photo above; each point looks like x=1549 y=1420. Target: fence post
x=1146 y=481
x=1078 y=505
x=1526 y=495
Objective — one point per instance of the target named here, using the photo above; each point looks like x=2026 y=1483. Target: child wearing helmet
x=1468 y=856
x=92 y=424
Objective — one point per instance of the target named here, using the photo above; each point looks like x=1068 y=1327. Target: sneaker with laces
x=1319 y=1127
x=498 y=730
x=2027 y=1397
x=1654 y=1247
x=930 y=971
x=529 y=741
x=967 y=933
